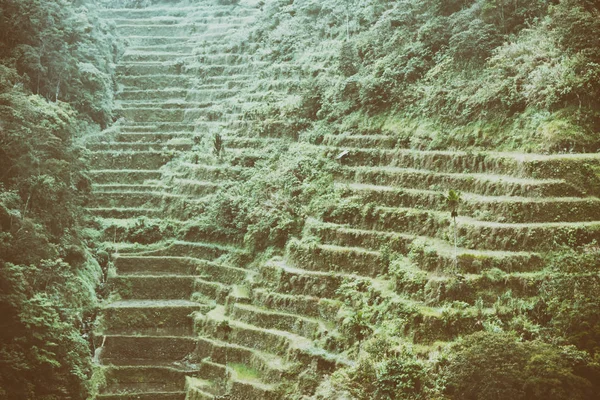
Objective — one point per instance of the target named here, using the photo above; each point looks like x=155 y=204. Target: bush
x=64 y=52
x=492 y=64
x=389 y=373
x=571 y=304
x=271 y=203
x=497 y=366
x=56 y=62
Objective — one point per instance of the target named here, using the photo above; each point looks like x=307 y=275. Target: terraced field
x=181 y=322
x=185 y=321
x=515 y=210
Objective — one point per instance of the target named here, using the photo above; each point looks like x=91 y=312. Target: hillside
x=347 y=199
x=280 y=174
x=56 y=87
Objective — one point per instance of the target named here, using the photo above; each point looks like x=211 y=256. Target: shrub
x=348 y=59
x=389 y=375
x=497 y=366
x=571 y=305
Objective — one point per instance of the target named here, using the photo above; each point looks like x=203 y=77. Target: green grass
x=245 y=372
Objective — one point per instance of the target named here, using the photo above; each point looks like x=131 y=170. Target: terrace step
x=432 y=254
x=173 y=94
x=157 y=29
x=141 y=160
x=361 y=141
x=166 y=53
x=223 y=69
x=124 y=349
x=216 y=272
x=298 y=304
x=138 y=146
x=132 y=378
x=101 y=176
x=154 y=265
x=170 y=16
x=332 y=258
x=472 y=233
x=283 y=343
x=129 y=200
x=516 y=209
x=155 y=127
x=476 y=183
x=211 y=291
x=140 y=68
x=271 y=319
x=163 y=12
x=134 y=212
x=486 y=287
x=200 y=389
x=224 y=58
x=131 y=105
x=153 y=287
x=155 y=114
x=128 y=187
x=154 y=137
x=249 y=143
x=133 y=41
x=271 y=368
x=179 y=395
x=291 y=280
x=494 y=163
x=208 y=112
x=252 y=390
x=212 y=93
x=231 y=81
x=158 y=81
x=151 y=317
x=199 y=250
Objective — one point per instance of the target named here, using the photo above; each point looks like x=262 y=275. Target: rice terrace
x=299 y=199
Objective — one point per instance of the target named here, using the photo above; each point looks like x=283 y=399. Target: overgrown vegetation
x=272 y=203
x=55 y=86
x=474 y=74
x=438 y=74
x=477 y=73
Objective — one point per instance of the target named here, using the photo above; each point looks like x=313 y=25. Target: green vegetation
x=439 y=74
x=452 y=200
x=498 y=366
x=273 y=201
x=55 y=86
x=266 y=192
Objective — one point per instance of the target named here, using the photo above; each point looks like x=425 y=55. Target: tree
x=453 y=199
x=497 y=366
x=218 y=145
x=348 y=59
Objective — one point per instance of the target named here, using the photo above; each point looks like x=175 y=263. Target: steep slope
x=148 y=329
x=196 y=316
x=181 y=82
x=515 y=210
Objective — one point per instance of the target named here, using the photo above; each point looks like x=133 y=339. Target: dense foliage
x=471 y=74
x=276 y=197
x=62 y=52
x=519 y=75
x=55 y=86
x=497 y=366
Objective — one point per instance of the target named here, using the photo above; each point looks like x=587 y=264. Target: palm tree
x=453 y=199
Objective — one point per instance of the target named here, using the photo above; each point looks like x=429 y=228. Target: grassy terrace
x=256 y=257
